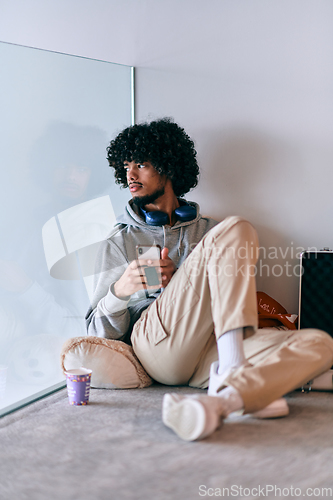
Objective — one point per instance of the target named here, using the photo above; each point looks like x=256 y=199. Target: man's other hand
x=167 y=267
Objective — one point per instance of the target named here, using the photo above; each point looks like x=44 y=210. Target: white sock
x=230 y=350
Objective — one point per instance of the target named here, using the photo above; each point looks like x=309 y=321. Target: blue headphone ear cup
x=156 y=218
x=186 y=213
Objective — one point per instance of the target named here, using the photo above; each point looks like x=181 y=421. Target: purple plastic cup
x=78 y=386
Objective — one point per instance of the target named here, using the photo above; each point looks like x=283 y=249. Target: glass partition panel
x=58 y=200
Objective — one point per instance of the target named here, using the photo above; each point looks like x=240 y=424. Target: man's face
x=145 y=183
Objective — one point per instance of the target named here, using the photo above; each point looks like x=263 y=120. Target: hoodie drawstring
x=164 y=236
x=180 y=241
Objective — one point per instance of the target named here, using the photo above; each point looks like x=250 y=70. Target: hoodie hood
x=131 y=217
x=180 y=238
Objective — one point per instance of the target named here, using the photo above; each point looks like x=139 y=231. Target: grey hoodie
x=110 y=316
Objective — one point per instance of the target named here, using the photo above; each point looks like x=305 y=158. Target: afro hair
x=165 y=145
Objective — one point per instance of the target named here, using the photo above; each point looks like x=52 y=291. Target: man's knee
x=239 y=228
x=234 y=237
x=312 y=335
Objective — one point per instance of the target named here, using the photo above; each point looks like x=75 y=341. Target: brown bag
x=272 y=314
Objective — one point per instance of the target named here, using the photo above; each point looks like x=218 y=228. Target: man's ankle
x=232 y=399
x=230 y=350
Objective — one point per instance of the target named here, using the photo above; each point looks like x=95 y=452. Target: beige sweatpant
x=211 y=293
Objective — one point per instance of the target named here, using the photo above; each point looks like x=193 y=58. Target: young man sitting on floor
x=198 y=327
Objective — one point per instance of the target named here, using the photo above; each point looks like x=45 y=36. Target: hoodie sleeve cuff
x=113 y=304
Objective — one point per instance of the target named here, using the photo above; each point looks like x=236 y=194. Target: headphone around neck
x=184 y=213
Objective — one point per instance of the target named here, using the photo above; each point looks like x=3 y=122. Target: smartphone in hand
x=150 y=252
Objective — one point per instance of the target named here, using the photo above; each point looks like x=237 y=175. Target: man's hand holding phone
x=152 y=269
x=149 y=261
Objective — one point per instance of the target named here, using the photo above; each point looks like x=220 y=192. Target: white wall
x=250 y=80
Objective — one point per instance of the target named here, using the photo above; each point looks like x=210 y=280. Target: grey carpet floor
x=118 y=448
